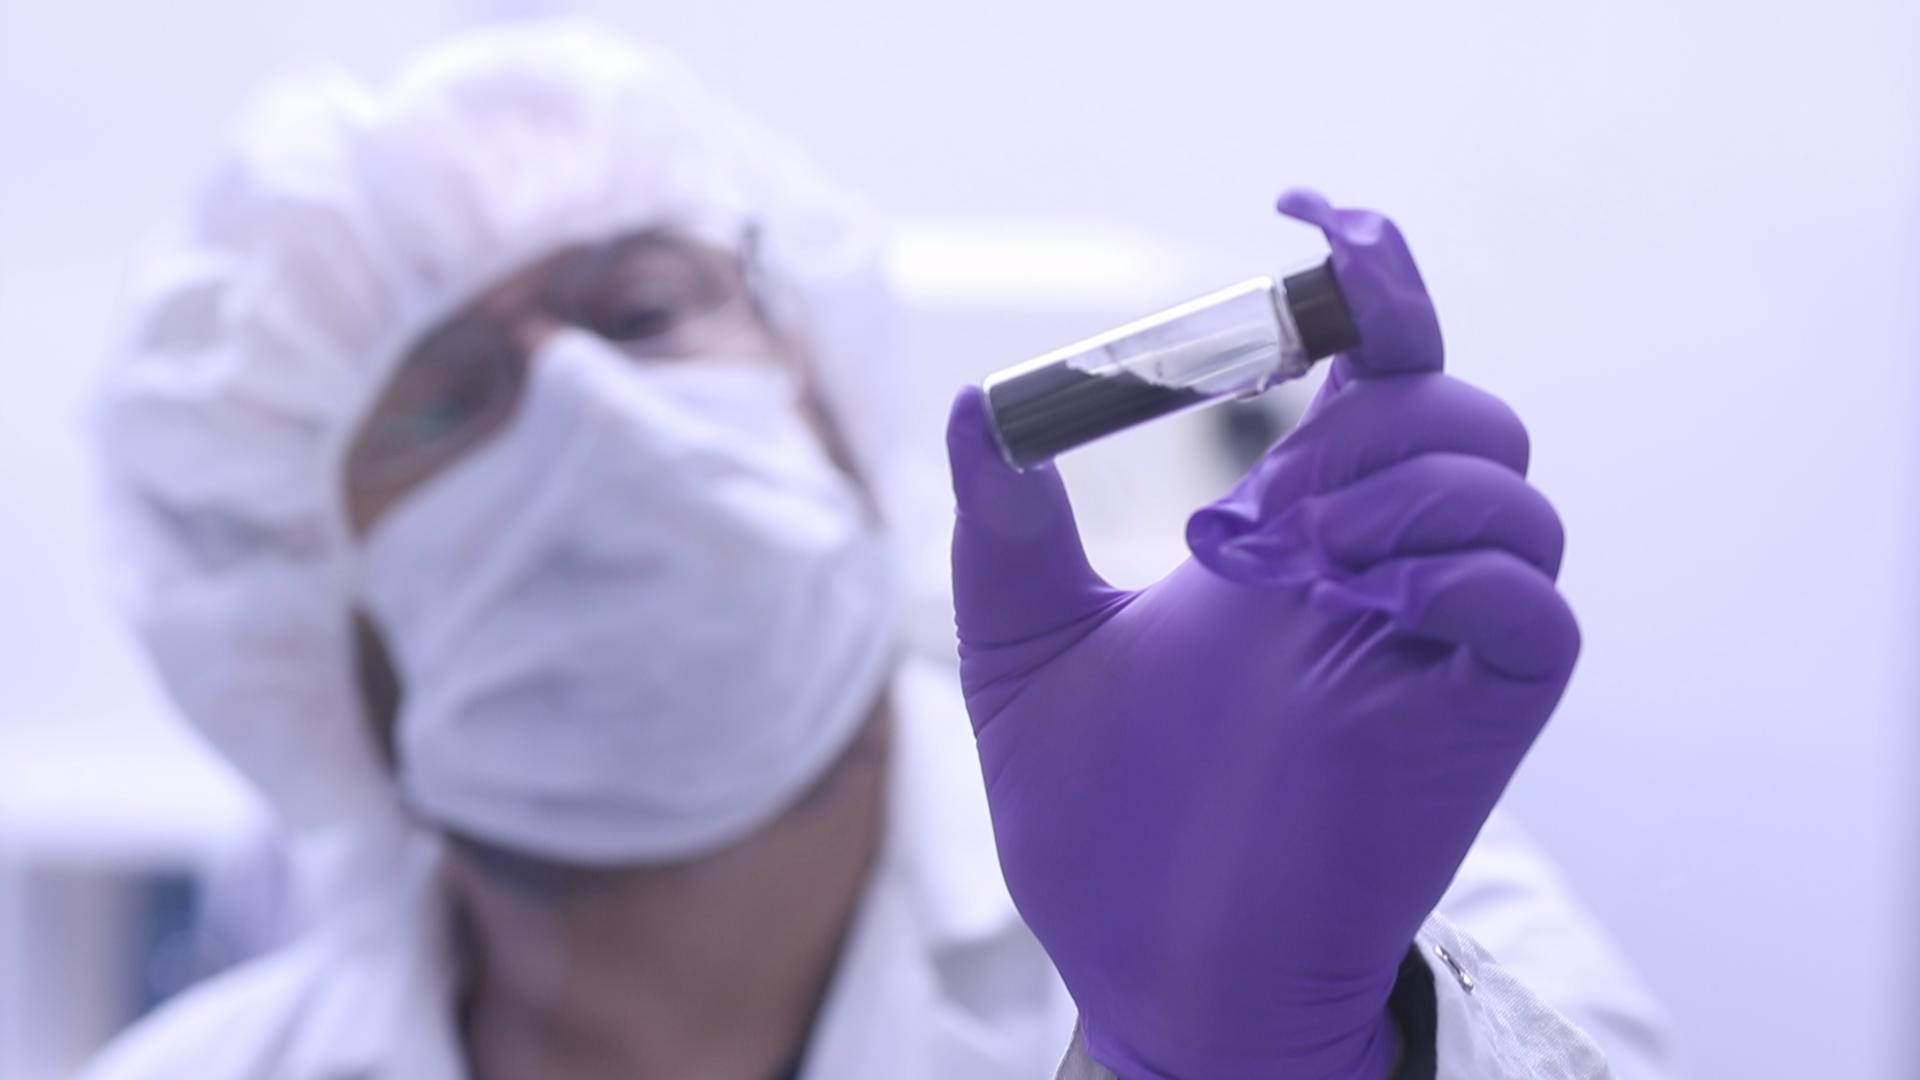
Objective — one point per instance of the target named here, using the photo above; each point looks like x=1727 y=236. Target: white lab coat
x=939 y=979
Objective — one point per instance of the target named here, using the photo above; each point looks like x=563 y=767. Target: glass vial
x=1233 y=343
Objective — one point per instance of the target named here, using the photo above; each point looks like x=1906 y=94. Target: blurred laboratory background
x=1681 y=239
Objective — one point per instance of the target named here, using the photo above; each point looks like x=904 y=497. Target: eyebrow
x=549 y=276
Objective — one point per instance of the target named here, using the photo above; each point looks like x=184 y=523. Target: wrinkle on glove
x=1226 y=802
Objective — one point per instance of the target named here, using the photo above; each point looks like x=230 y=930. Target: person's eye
x=637 y=322
x=457 y=398
x=449 y=414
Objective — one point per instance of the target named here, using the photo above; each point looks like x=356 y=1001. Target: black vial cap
x=1320 y=312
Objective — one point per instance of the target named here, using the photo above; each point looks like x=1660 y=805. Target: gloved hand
x=1226 y=802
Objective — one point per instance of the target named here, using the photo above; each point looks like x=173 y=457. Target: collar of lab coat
x=939 y=841
x=938 y=977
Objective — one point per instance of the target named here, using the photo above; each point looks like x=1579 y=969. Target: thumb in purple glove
x=1224 y=803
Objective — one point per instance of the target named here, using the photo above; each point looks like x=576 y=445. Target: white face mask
x=640 y=620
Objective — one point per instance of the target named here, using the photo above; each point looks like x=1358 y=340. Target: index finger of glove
x=1371 y=425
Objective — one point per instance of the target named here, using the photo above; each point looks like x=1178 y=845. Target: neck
x=709 y=970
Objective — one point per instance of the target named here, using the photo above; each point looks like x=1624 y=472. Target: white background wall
x=1680 y=238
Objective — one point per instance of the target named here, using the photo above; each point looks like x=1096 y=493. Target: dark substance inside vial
x=1051 y=410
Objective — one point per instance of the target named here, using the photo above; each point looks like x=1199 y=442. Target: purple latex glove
x=1226 y=802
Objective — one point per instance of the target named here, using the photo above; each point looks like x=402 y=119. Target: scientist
x=503 y=482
